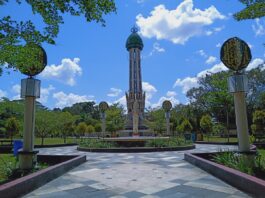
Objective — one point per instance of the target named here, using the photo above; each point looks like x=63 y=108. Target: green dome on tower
x=134 y=40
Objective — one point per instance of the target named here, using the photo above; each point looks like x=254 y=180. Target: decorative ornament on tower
x=134 y=46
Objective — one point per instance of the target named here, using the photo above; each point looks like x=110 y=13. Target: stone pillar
x=30 y=90
x=238 y=86
x=167 y=115
x=103 y=123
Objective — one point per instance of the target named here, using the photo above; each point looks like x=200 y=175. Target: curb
x=242 y=181
x=54 y=145
x=24 y=185
x=136 y=149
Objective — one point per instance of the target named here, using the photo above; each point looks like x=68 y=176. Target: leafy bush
x=96 y=143
x=241 y=162
x=185 y=126
x=258 y=121
x=171 y=142
x=90 y=129
x=206 y=125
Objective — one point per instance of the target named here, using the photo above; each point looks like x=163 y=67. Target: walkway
x=162 y=174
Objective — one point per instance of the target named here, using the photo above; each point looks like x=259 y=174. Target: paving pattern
x=121 y=175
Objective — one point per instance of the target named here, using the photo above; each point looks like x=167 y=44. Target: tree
x=14 y=34
x=45 y=124
x=258 y=125
x=185 y=126
x=115 y=118
x=12 y=126
x=254 y=9
x=157 y=120
x=90 y=129
x=206 y=125
x=98 y=127
x=81 y=129
x=65 y=122
x=212 y=97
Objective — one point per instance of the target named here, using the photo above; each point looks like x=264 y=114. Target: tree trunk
x=42 y=140
x=64 y=139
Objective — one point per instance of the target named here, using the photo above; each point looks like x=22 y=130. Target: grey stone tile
x=60 y=194
x=179 y=181
x=133 y=194
x=197 y=192
x=82 y=191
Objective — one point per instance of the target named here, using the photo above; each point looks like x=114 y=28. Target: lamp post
x=103 y=106
x=236 y=55
x=167 y=107
x=30 y=90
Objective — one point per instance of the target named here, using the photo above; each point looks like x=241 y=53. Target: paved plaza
x=158 y=174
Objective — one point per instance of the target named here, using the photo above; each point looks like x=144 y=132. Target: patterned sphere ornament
x=167 y=105
x=103 y=106
x=235 y=54
x=33 y=60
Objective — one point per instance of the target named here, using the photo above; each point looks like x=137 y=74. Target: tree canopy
x=254 y=9
x=15 y=34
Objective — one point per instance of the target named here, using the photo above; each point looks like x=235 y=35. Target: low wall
x=136 y=149
x=24 y=185
x=242 y=181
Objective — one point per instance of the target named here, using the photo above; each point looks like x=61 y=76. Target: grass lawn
x=262 y=152
x=219 y=139
x=49 y=141
x=6 y=160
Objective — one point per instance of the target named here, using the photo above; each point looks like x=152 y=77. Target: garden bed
x=240 y=180
x=217 y=143
x=132 y=145
x=26 y=184
x=136 y=149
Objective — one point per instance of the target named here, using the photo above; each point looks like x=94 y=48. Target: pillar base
x=27 y=159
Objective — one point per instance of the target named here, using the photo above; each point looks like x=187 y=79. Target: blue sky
x=182 y=41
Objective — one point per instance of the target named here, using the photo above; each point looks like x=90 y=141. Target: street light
x=167 y=107
x=236 y=55
x=36 y=60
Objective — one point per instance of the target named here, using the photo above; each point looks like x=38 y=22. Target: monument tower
x=135 y=97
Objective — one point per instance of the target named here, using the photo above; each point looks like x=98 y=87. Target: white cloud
x=156 y=49
x=171 y=93
x=210 y=60
x=122 y=101
x=190 y=82
x=114 y=92
x=172 y=99
x=2 y=94
x=218 y=45
x=202 y=53
x=258 y=28
x=255 y=63
x=63 y=100
x=250 y=46
x=16 y=90
x=66 y=72
x=178 y=25
x=45 y=93
x=149 y=90
x=186 y=83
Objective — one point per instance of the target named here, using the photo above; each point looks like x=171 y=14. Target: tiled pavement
x=160 y=174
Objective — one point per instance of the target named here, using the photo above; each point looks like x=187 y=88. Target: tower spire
x=134 y=46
